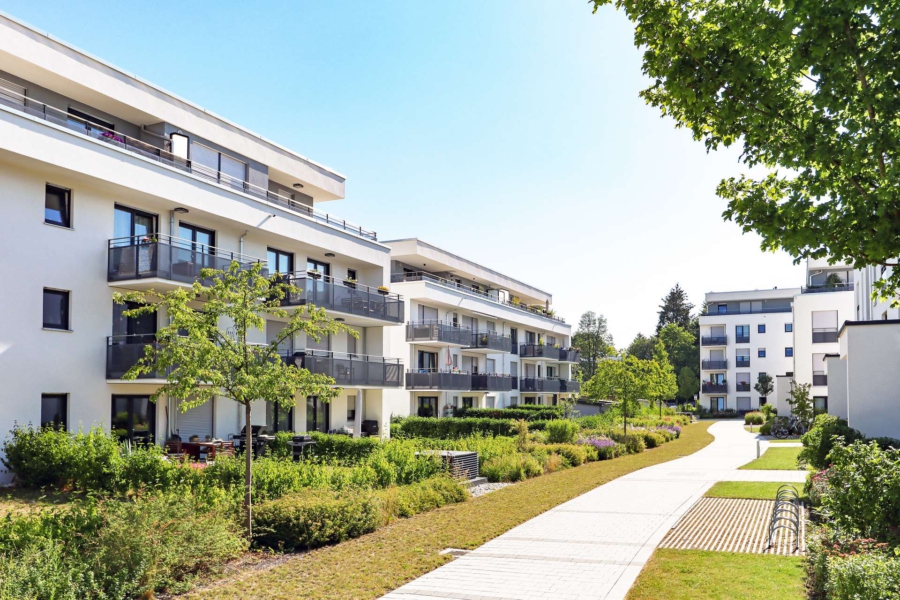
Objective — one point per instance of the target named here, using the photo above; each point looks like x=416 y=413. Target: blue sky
x=508 y=132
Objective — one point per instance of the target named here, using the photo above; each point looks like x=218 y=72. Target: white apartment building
x=474 y=337
x=108 y=183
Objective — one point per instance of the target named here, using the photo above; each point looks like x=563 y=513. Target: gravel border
x=486 y=488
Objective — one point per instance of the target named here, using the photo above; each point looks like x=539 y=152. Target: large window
x=427 y=361
x=717 y=403
x=468 y=402
x=280 y=261
x=56 y=309
x=278 y=418
x=824 y=324
x=317 y=265
x=130 y=222
x=53 y=410
x=139 y=330
x=134 y=418
x=202 y=240
x=742 y=334
x=427 y=406
x=820 y=404
x=57 y=206
x=318 y=414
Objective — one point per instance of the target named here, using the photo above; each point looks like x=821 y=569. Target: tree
x=641 y=347
x=621 y=380
x=675 y=309
x=684 y=354
x=809 y=92
x=205 y=361
x=662 y=385
x=594 y=341
x=764 y=386
x=688 y=384
x=801 y=403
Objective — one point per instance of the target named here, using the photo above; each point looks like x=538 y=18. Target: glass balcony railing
x=569 y=386
x=349 y=370
x=714 y=365
x=825 y=335
x=491 y=382
x=742 y=386
x=124 y=351
x=344 y=296
x=714 y=340
x=721 y=310
x=539 y=351
x=438 y=331
x=714 y=388
x=491 y=340
x=435 y=379
x=569 y=355
x=831 y=287
x=539 y=384
x=819 y=378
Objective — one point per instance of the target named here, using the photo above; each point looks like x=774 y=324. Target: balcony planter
x=350 y=283
x=314 y=274
x=383 y=290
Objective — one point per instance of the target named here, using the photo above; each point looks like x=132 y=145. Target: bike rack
x=787 y=514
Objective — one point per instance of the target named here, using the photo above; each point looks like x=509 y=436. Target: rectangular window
x=428 y=406
x=351 y=274
x=722 y=309
x=279 y=261
x=57 y=206
x=56 y=309
x=743 y=403
x=316 y=265
x=278 y=418
x=820 y=404
x=133 y=223
x=133 y=418
x=80 y=117
x=788 y=327
x=788 y=351
x=318 y=414
x=513 y=400
x=761 y=352
x=761 y=328
x=468 y=402
x=351 y=409
x=742 y=334
x=53 y=410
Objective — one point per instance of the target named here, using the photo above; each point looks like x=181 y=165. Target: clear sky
x=510 y=132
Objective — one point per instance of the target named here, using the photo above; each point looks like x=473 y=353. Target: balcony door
x=317 y=265
x=426 y=361
x=318 y=414
x=514 y=339
x=196 y=246
x=132 y=330
x=280 y=261
x=427 y=406
x=717 y=378
x=133 y=418
x=133 y=223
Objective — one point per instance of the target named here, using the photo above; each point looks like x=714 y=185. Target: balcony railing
x=539 y=384
x=349 y=370
x=714 y=365
x=539 y=351
x=714 y=340
x=817 y=289
x=569 y=355
x=820 y=378
x=714 y=388
x=824 y=336
x=491 y=340
x=742 y=339
x=491 y=382
x=438 y=331
x=166 y=257
x=742 y=386
x=742 y=361
x=343 y=296
x=124 y=351
x=569 y=386
x=431 y=278
x=749 y=311
x=164 y=155
x=433 y=379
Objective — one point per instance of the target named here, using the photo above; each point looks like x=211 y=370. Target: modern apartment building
x=474 y=337
x=109 y=184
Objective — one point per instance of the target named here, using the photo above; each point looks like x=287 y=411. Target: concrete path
x=594 y=546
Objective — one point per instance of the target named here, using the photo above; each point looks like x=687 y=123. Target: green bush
x=409 y=500
x=633 y=442
x=754 y=418
x=487 y=447
x=342 y=448
x=863 y=576
x=768 y=412
x=443 y=428
x=653 y=439
x=512 y=467
x=315 y=518
x=575 y=455
x=766 y=428
x=534 y=412
x=281 y=447
x=820 y=439
x=562 y=431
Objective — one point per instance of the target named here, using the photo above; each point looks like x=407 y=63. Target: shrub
x=633 y=442
x=653 y=439
x=409 y=500
x=487 y=447
x=561 y=431
x=766 y=428
x=315 y=518
x=511 y=467
x=768 y=412
x=873 y=575
x=604 y=447
x=575 y=455
x=553 y=463
x=433 y=427
x=820 y=439
x=754 y=418
x=534 y=412
x=343 y=448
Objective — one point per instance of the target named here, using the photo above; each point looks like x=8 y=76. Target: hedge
x=434 y=427
x=529 y=414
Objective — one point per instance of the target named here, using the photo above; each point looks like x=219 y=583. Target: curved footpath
x=594 y=546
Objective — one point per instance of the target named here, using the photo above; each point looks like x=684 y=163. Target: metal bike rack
x=787 y=514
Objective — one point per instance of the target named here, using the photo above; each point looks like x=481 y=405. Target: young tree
x=621 y=379
x=764 y=386
x=809 y=92
x=208 y=352
x=675 y=309
x=593 y=339
x=801 y=403
x=684 y=354
x=662 y=384
x=688 y=384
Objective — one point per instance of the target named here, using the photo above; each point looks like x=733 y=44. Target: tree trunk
x=248 y=472
x=625 y=422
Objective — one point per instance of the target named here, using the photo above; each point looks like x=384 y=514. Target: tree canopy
x=675 y=309
x=594 y=341
x=641 y=347
x=809 y=91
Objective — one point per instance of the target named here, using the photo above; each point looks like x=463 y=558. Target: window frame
x=67 y=307
x=278 y=254
x=788 y=351
x=760 y=353
x=68 y=206
x=760 y=328
x=789 y=328
x=62 y=425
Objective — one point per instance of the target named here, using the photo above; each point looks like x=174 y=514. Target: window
x=824 y=323
x=761 y=352
x=133 y=223
x=743 y=403
x=427 y=361
x=278 y=418
x=317 y=265
x=717 y=404
x=761 y=328
x=468 y=402
x=351 y=274
x=761 y=375
x=53 y=410
x=820 y=404
x=318 y=414
x=57 y=206
x=513 y=400
x=133 y=418
x=279 y=261
x=490 y=365
x=202 y=240
x=742 y=333
x=56 y=309
x=788 y=327
x=351 y=409
x=788 y=351
x=722 y=309
x=80 y=117
x=428 y=406
x=763 y=401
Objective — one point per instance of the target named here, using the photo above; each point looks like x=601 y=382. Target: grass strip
x=379 y=562
x=753 y=490
x=705 y=575
x=775 y=459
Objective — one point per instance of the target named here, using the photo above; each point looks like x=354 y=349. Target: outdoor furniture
x=260 y=439
x=370 y=428
x=203 y=451
x=174 y=449
x=300 y=443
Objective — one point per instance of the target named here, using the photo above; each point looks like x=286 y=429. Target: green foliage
x=688 y=383
x=801 y=403
x=342 y=448
x=315 y=518
x=808 y=94
x=641 y=347
x=871 y=575
x=281 y=446
x=562 y=431
x=575 y=455
x=764 y=386
x=534 y=412
x=487 y=447
x=592 y=337
x=675 y=310
x=769 y=411
x=653 y=439
x=754 y=418
x=633 y=442
x=511 y=467
x=820 y=439
x=434 y=427
x=409 y=500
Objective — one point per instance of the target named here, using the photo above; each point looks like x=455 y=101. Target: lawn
x=704 y=575
x=18 y=501
x=754 y=490
x=775 y=459
x=372 y=565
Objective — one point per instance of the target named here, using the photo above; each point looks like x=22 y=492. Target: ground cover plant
x=776 y=459
x=753 y=490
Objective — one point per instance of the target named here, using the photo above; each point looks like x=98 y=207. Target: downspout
x=241 y=242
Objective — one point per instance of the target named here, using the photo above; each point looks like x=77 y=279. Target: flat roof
x=867 y=323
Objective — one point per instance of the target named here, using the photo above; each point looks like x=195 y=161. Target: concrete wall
x=837 y=386
x=804 y=348
x=873 y=394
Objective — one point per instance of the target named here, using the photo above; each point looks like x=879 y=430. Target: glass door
x=318 y=414
x=133 y=223
x=133 y=418
x=428 y=406
x=133 y=330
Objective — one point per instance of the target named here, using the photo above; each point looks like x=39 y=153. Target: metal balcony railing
x=824 y=336
x=820 y=378
x=742 y=386
x=742 y=339
x=124 y=351
x=167 y=257
x=438 y=331
x=569 y=355
x=569 y=386
x=714 y=340
x=491 y=340
x=839 y=287
x=435 y=379
x=714 y=365
x=714 y=388
x=539 y=351
x=742 y=361
x=483 y=293
x=749 y=311
x=349 y=370
x=539 y=384
x=491 y=382
x=343 y=296
x=163 y=154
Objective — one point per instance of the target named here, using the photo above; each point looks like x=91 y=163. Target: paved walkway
x=594 y=546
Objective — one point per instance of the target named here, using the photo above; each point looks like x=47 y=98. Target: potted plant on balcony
x=383 y=290
x=350 y=283
x=484 y=339
x=515 y=300
x=314 y=273
x=556 y=346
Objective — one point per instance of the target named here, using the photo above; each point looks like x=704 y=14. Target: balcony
x=714 y=340
x=824 y=288
x=342 y=296
x=569 y=355
x=490 y=342
x=350 y=370
x=480 y=292
x=749 y=311
x=491 y=382
x=742 y=339
x=742 y=386
x=539 y=384
x=162 y=154
x=124 y=351
x=819 y=378
x=165 y=257
x=824 y=336
x=714 y=365
x=742 y=361
x=569 y=386
x=441 y=332
x=433 y=379
x=539 y=351
x=714 y=388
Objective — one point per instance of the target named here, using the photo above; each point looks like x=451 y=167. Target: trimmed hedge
x=443 y=428
x=538 y=413
x=754 y=418
x=342 y=447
